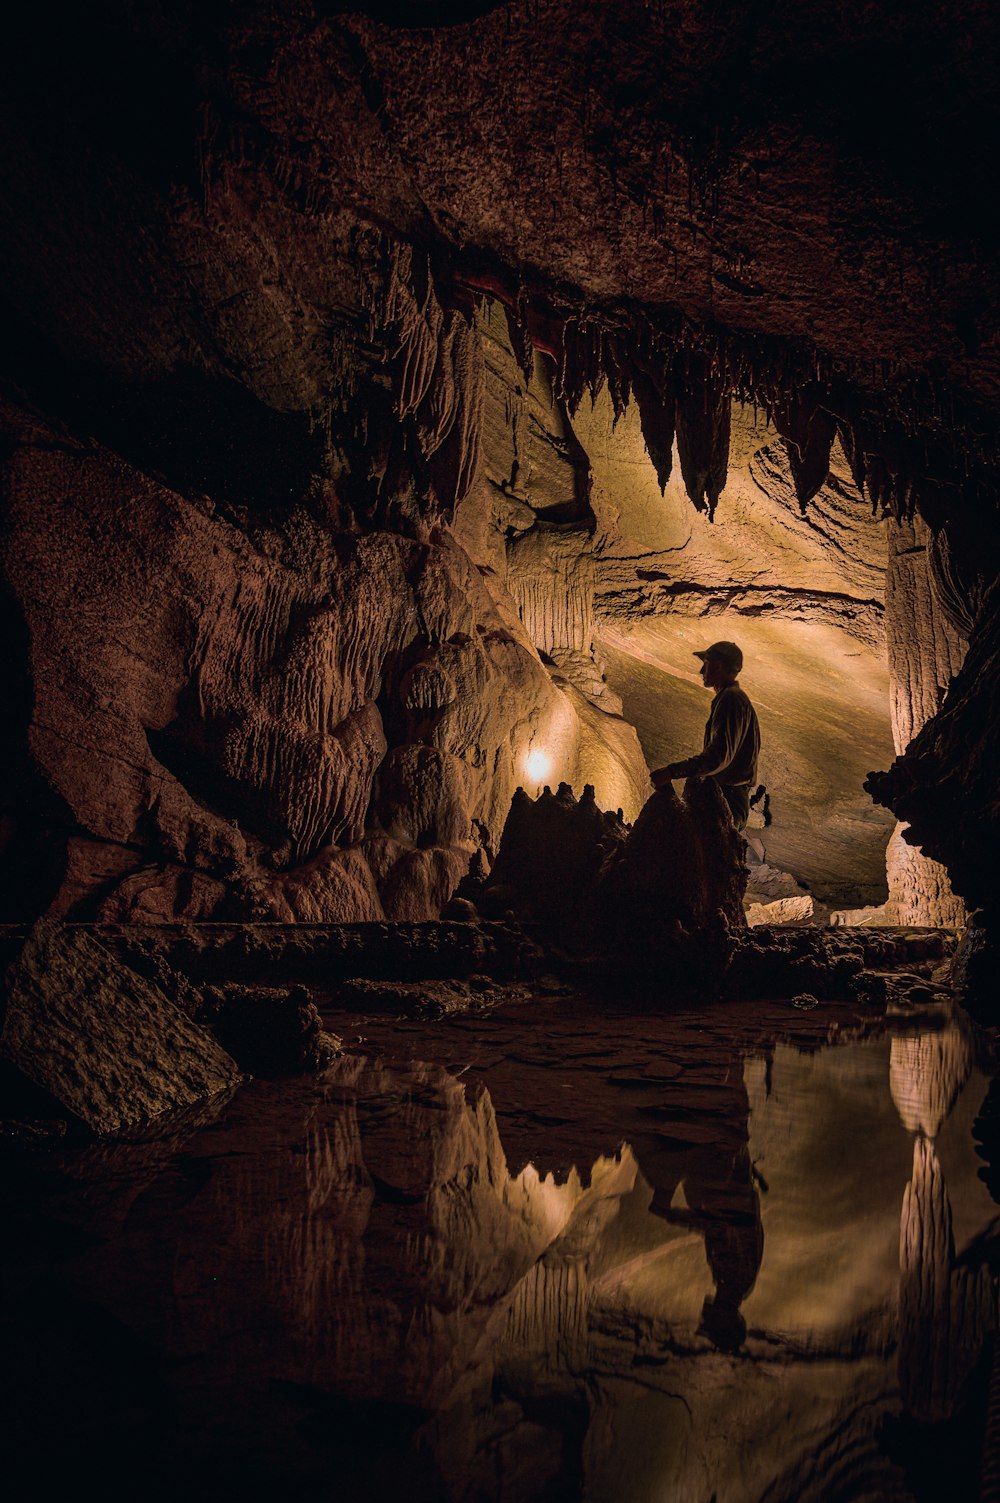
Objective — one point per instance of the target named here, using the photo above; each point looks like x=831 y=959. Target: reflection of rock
x=109 y=1046
x=945 y=1311
x=351 y=1257
x=926 y=1073
x=397 y=1247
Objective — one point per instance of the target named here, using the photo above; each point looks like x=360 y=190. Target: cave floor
x=554 y=1251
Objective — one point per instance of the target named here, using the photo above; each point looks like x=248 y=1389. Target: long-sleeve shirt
x=732 y=742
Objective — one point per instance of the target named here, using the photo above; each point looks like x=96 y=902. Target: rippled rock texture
x=107 y=1048
x=304 y=726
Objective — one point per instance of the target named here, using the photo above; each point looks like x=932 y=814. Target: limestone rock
x=551 y=855
x=781 y=911
x=423 y=797
x=664 y=897
x=925 y=653
x=671 y=897
x=110 y=1047
x=270 y=1031
x=943 y=784
x=213 y=745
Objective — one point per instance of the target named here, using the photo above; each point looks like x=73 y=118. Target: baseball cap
x=726 y=652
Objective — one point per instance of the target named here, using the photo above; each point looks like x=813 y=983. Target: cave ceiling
x=248 y=253
x=790 y=202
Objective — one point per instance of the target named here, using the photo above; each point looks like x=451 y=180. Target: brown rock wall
x=232 y=721
x=925 y=652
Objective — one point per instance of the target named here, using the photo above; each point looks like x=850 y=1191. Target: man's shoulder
x=734 y=695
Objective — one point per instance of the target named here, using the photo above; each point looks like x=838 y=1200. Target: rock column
x=925 y=652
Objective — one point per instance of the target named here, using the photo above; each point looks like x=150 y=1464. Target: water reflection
x=354 y=1290
x=947 y=1304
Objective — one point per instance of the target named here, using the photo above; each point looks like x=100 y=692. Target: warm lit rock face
x=298 y=727
x=925 y=652
x=251 y=384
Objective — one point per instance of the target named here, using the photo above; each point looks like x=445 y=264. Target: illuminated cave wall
x=298 y=568
x=322 y=718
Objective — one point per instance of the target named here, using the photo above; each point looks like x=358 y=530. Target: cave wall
x=302 y=725
x=925 y=652
x=243 y=268
x=618 y=579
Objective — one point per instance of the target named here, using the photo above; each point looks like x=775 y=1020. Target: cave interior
x=394 y=397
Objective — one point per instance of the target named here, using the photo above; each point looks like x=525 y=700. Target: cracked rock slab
x=110 y=1047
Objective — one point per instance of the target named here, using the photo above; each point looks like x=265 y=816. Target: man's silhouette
x=732 y=735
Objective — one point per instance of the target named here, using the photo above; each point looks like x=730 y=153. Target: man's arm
x=729 y=726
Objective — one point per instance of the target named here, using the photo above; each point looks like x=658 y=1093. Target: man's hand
x=662 y=775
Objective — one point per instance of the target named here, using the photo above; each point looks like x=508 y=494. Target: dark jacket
x=732 y=742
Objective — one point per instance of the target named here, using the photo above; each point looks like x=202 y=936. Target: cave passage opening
x=617 y=579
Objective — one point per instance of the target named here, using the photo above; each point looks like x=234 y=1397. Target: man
x=732 y=735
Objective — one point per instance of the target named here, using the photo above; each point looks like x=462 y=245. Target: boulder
x=106 y=1044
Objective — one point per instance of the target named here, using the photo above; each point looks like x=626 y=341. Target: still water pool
x=549 y=1253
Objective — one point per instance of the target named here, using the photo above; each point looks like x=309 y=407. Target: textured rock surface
x=111 y=1048
x=294 y=726
x=946 y=794
x=925 y=653
x=794 y=910
x=247 y=254
x=619 y=581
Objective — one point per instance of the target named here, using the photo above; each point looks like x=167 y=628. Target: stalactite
x=455 y=460
x=704 y=412
x=654 y=395
x=851 y=445
x=617 y=371
x=519 y=335
x=908 y=450
x=437 y=367
x=808 y=430
x=574 y=372
x=413 y=315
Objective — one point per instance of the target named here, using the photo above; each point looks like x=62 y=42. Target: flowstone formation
x=294 y=725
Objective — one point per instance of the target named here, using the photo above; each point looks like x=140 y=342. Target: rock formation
x=97 y=1042
x=307 y=544
x=661 y=901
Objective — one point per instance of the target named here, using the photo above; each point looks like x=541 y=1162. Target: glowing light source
x=537 y=765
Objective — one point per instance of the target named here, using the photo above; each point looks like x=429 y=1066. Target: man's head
x=720 y=664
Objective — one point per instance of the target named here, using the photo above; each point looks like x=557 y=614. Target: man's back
x=732 y=731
